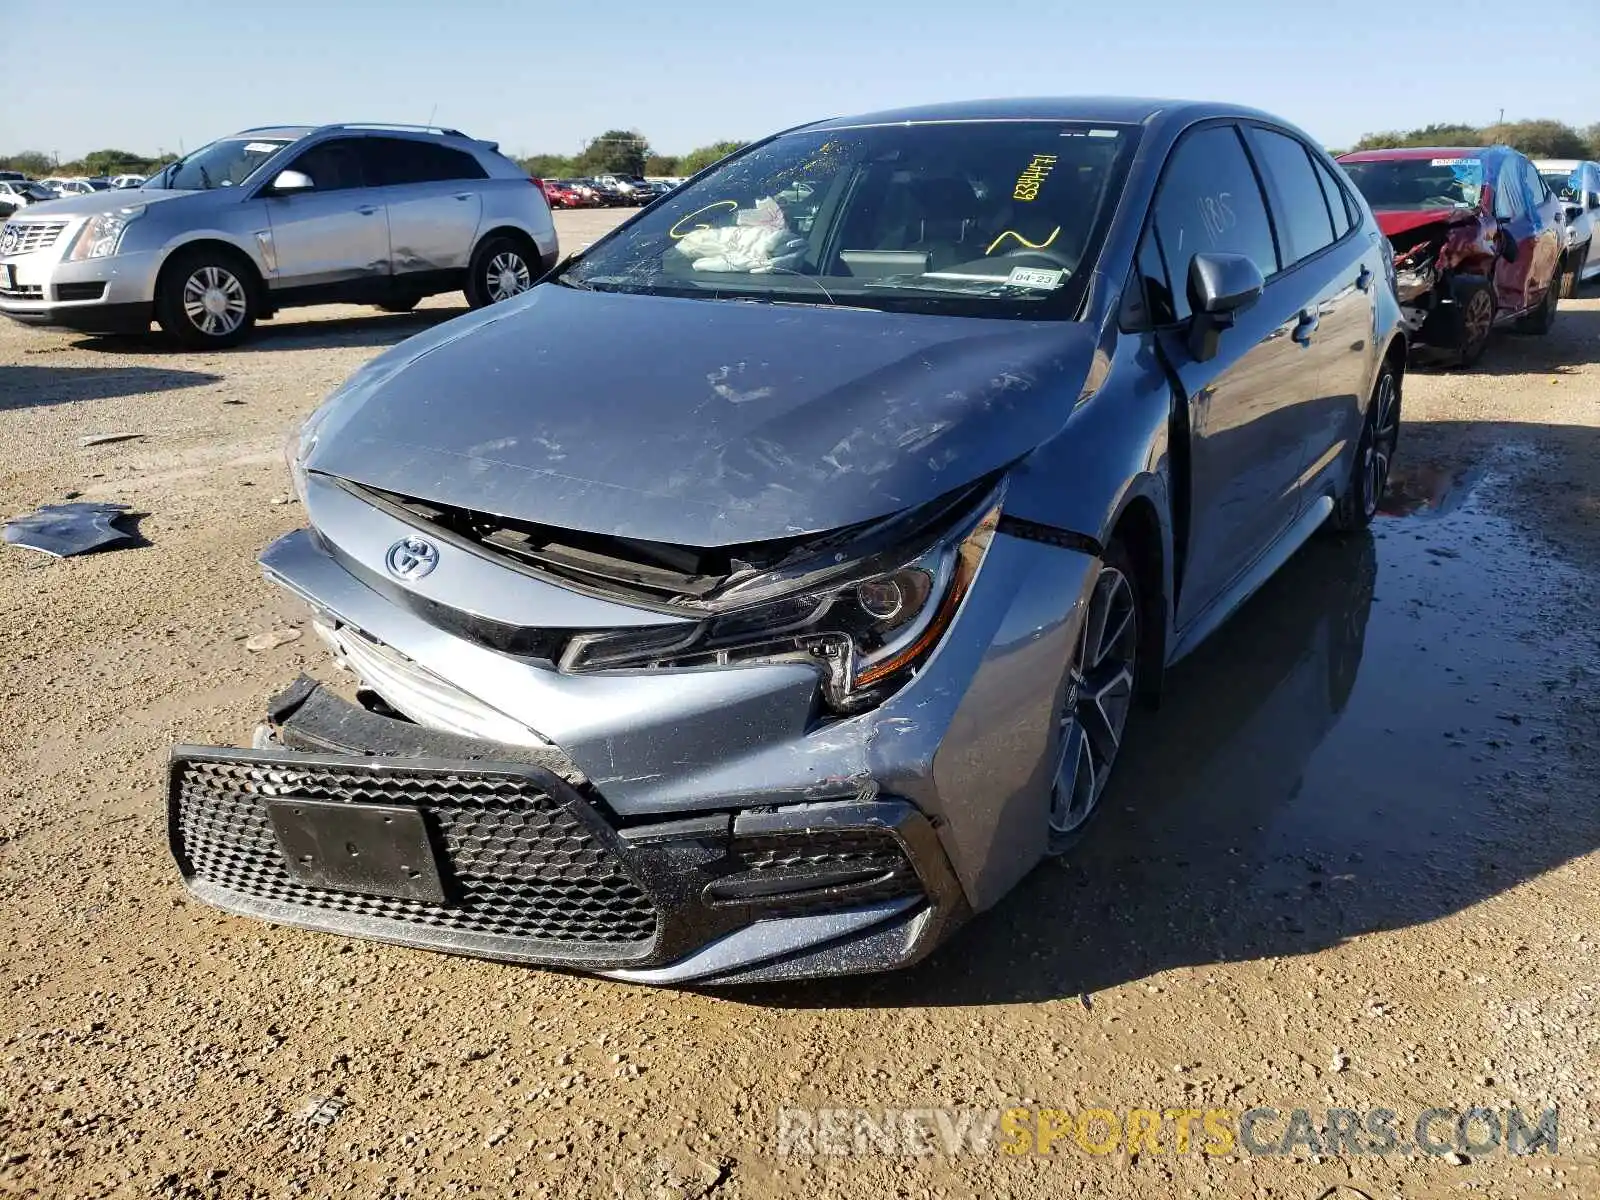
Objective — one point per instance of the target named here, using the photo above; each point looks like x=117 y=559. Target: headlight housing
x=297 y=447
x=866 y=633
x=101 y=235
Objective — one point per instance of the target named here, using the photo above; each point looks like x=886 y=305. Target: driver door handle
x=1305 y=327
x=366 y=210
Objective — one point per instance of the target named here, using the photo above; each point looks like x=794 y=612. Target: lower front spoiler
x=534 y=869
x=86 y=318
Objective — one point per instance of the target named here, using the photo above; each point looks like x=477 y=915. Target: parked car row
x=18 y=191
x=275 y=217
x=604 y=191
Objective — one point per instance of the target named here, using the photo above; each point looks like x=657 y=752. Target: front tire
x=206 y=300
x=1102 y=684
x=500 y=269
x=1369 y=474
x=1474 y=323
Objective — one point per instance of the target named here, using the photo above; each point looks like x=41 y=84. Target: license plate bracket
x=369 y=849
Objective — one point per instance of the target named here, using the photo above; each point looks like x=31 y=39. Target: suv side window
x=334 y=165
x=408 y=160
x=1338 y=202
x=1299 y=207
x=1507 y=191
x=1210 y=201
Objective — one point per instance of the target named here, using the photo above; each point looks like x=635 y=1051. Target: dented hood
x=1394 y=222
x=699 y=422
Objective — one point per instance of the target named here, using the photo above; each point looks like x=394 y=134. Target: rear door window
x=1210 y=202
x=1299 y=206
x=1338 y=200
x=407 y=160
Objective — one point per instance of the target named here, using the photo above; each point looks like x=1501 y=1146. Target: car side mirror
x=1220 y=287
x=292 y=181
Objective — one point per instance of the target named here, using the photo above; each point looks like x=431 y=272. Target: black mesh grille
x=518 y=862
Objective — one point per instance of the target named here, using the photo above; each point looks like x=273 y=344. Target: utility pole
x=1502 y=116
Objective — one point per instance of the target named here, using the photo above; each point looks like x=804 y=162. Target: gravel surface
x=1351 y=864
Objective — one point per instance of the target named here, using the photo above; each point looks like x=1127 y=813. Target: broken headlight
x=866 y=633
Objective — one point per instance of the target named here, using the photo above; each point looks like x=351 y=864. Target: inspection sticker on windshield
x=1450 y=162
x=1035 y=277
x=259 y=147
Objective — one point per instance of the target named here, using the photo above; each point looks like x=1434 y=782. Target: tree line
x=36 y=164
x=1538 y=139
x=623 y=152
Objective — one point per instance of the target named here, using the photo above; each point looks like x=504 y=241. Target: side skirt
x=1264 y=568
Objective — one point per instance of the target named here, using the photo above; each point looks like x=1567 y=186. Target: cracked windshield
x=879 y=217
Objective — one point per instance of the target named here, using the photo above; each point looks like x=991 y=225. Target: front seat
x=944 y=220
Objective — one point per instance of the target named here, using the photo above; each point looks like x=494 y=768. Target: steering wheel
x=1054 y=256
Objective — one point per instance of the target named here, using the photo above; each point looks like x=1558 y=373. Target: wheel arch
x=255 y=280
x=523 y=238
x=1138 y=527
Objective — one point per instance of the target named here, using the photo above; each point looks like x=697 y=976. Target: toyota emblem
x=411 y=558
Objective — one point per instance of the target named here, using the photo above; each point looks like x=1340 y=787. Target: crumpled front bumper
x=952 y=773
x=535 y=869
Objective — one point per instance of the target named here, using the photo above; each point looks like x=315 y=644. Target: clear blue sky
x=536 y=75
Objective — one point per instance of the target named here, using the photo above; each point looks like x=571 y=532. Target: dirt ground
x=1352 y=862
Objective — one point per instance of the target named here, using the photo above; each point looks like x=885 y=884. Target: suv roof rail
x=444 y=129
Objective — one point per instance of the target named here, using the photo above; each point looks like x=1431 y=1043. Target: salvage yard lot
x=1353 y=862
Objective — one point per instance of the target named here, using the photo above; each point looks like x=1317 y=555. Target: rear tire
x=501 y=268
x=1369 y=474
x=1572 y=276
x=1542 y=319
x=399 y=305
x=206 y=299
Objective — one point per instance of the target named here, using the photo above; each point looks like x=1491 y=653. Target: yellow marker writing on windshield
x=1033 y=176
x=1012 y=233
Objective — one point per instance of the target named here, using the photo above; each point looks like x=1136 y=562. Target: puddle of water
x=1379 y=738
x=1428 y=489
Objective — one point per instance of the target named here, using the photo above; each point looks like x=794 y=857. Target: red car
x=1477 y=237
x=561 y=194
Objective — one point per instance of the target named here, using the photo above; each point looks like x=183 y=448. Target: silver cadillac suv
x=280 y=216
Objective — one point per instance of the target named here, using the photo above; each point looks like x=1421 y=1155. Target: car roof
x=1560 y=164
x=1119 y=110
x=1404 y=153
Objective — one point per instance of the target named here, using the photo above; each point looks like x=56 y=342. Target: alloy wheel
x=1385 y=435
x=1099 y=698
x=507 y=275
x=214 y=300
x=1479 y=317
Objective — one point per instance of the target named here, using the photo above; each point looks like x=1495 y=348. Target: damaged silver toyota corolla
x=770 y=587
